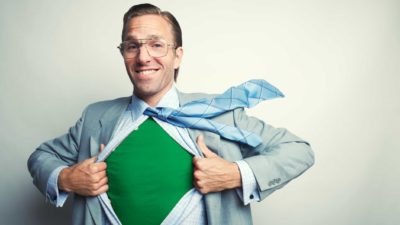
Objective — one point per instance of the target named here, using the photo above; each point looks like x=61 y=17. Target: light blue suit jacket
x=281 y=157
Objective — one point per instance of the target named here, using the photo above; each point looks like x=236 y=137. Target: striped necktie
x=198 y=114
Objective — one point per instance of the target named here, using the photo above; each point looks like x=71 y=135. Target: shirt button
x=251 y=196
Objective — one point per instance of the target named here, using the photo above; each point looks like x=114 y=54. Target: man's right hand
x=86 y=178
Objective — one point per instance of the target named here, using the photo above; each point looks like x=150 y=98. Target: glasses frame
x=142 y=42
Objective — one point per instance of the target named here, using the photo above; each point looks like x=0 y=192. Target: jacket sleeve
x=280 y=157
x=50 y=155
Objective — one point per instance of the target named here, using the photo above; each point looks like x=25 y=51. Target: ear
x=178 y=57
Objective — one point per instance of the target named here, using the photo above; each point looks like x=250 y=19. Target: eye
x=156 y=44
x=131 y=46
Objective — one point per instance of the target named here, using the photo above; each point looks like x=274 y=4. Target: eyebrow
x=153 y=36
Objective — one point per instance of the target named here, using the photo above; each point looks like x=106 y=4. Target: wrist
x=63 y=180
x=236 y=181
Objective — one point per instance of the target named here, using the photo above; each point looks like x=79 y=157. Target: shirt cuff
x=53 y=194
x=249 y=192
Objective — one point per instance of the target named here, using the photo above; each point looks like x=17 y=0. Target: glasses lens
x=129 y=49
x=157 y=48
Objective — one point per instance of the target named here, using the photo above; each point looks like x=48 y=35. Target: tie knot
x=163 y=113
x=159 y=112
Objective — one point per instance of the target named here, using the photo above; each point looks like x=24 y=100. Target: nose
x=143 y=55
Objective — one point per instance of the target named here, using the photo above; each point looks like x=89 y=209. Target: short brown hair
x=149 y=9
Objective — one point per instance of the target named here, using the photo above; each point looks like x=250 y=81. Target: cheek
x=168 y=62
x=129 y=65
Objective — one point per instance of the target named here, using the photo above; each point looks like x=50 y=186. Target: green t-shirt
x=148 y=173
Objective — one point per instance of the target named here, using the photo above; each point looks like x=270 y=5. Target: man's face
x=151 y=77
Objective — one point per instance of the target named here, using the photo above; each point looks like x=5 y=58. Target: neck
x=152 y=99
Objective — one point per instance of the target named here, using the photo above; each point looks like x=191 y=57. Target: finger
x=92 y=159
x=89 y=160
x=197 y=175
x=101 y=166
x=197 y=184
x=103 y=189
x=97 y=167
x=100 y=190
x=101 y=175
x=200 y=164
x=200 y=187
x=196 y=160
x=101 y=148
x=203 y=147
x=103 y=181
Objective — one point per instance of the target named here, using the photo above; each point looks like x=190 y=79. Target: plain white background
x=338 y=63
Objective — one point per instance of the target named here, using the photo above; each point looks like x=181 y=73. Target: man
x=126 y=167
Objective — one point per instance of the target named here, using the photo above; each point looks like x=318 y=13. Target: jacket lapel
x=108 y=124
x=94 y=207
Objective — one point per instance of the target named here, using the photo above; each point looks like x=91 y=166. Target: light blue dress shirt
x=190 y=209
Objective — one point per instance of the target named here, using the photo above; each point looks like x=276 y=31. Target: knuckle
x=203 y=190
x=92 y=169
x=93 y=187
x=96 y=178
x=197 y=174
x=198 y=163
x=200 y=185
x=95 y=168
x=92 y=179
x=201 y=167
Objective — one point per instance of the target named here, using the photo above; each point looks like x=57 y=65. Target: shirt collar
x=138 y=106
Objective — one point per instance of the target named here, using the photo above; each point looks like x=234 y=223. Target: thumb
x=101 y=148
x=90 y=160
x=203 y=147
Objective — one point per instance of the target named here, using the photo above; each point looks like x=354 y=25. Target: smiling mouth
x=146 y=72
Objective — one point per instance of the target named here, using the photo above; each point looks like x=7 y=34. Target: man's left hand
x=213 y=173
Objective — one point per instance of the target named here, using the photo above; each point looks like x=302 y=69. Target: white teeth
x=146 y=71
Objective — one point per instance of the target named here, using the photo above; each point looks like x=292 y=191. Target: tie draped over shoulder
x=197 y=114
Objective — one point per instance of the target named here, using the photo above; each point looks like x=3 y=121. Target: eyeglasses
x=155 y=47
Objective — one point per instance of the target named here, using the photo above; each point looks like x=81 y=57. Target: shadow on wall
x=38 y=212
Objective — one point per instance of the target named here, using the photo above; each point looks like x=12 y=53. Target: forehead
x=148 y=26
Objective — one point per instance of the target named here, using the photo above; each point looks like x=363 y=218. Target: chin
x=145 y=91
